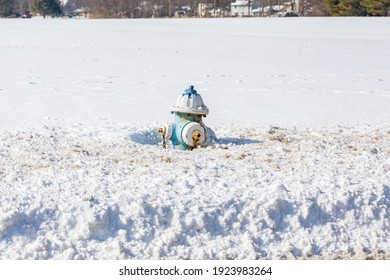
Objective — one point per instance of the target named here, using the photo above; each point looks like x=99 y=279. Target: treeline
x=25 y=8
x=10 y=8
x=164 y=8
x=168 y=8
x=359 y=7
x=108 y=8
x=143 y=8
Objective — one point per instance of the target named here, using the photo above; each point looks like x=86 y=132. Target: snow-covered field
x=301 y=167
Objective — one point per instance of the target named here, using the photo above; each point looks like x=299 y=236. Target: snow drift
x=259 y=192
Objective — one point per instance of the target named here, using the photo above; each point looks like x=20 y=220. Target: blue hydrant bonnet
x=190 y=102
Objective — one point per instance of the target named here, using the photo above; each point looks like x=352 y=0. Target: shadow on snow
x=152 y=137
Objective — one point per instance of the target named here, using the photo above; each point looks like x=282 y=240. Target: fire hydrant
x=187 y=131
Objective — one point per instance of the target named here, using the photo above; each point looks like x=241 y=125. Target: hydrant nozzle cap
x=190 y=102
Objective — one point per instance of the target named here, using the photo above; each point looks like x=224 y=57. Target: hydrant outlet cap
x=190 y=102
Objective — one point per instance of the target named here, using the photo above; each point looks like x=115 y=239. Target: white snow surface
x=300 y=169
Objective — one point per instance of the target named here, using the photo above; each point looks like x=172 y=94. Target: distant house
x=218 y=12
x=284 y=8
x=241 y=8
x=209 y=10
x=184 y=11
x=81 y=12
x=204 y=9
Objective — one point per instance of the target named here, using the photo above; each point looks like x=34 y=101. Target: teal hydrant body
x=180 y=122
x=187 y=131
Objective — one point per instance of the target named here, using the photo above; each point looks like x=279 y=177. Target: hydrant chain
x=164 y=143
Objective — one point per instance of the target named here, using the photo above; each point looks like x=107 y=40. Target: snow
x=300 y=168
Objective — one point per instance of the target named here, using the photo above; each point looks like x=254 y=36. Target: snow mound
x=146 y=137
x=259 y=192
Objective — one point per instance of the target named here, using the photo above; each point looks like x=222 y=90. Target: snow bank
x=112 y=192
